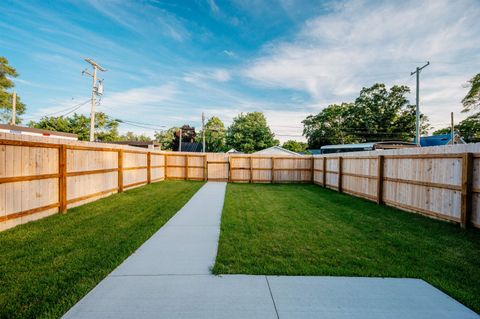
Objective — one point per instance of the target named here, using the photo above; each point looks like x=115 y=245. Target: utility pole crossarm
x=420 y=69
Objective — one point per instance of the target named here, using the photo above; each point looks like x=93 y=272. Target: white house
x=277 y=150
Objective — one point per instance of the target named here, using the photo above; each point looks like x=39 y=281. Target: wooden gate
x=218 y=167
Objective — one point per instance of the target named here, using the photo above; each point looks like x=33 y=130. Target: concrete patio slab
x=365 y=298
x=201 y=296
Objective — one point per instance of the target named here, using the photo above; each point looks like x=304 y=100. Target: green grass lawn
x=308 y=230
x=48 y=265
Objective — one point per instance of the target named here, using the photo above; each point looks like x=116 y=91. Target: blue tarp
x=435 y=140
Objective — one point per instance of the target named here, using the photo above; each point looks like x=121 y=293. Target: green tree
x=214 y=135
x=166 y=138
x=6 y=98
x=106 y=129
x=469 y=129
x=249 y=133
x=295 y=146
x=377 y=114
x=472 y=99
x=383 y=114
x=329 y=126
x=132 y=137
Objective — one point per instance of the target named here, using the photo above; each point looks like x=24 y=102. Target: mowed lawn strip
x=308 y=230
x=48 y=265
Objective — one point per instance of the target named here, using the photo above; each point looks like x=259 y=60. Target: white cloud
x=142 y=17
x=229 y=53
x=219 y=75
x=359 y=43
x=139 y=96
x=213 y=6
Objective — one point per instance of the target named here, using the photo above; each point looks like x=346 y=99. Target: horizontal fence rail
x=442 y=186
x=43 y=176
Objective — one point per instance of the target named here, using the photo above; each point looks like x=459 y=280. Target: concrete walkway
x=169 y=277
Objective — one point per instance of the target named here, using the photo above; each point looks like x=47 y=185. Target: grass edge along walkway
x=287 y=229
x=48 y=265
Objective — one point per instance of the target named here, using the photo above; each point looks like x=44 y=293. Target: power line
x=69 y=110
x=158 y=128
x=76 y=108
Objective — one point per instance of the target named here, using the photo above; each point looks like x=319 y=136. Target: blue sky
x=168 y=61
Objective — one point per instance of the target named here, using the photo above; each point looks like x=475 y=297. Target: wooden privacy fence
x=273 y=169
x=42 y=176
x=444 y=186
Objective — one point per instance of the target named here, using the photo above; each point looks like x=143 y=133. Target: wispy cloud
x=213 y=6
x=359 y=43
x=220 y=75
x=142 y=18
x=229 y=53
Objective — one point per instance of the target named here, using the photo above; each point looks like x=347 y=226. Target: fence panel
x=41 y=176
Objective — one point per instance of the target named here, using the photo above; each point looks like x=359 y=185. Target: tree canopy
x=472 y=99
x=377 y=114
x=249 y=133
x=106 y=129
x=132 y=137
x=165 y=138
x=215 y=134
x=6 y=97
x=295 y=146
x=328 y=126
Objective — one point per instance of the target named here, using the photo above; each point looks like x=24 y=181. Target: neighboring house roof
x=191 y=147
x=15 y=129
x=314 y=151
x=232 y=150
x=370 y=145
x=142 y=144
x=441 y=139
x=276 y=150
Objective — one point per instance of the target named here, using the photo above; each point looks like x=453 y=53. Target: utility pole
x=452 y=129
x=96 y=90
x=417 y=126
x=14 y=108
x=203 y=131
x=180 y=141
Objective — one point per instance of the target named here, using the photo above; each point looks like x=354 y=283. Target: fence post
x=312 y=169
x=324 y=171
x=273 y=170
x=62 y=178
x=380 y=166
x=340 y=168
x=165 y=167
x=149 y=166
x=120 y=171
x=205 y=173
x=466 y=199
x=251 y=176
